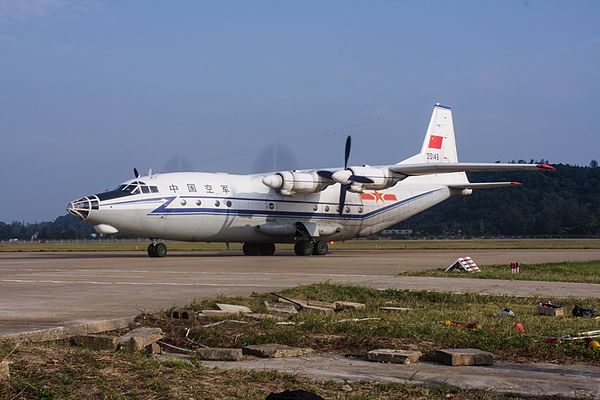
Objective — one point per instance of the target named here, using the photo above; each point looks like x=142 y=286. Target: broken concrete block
x=287 y=308
x=139 y=338
x=274 y=350
x=457 y=357
x=394 y=356
x=219 y=354
x=395 y=308
x=320 y=304
x=152 y=349
x=264 y=316
x=4 y=370
x=97 y=342
x=234 y=308
x=296 y=302
x=348 y=305
x=218 y=313
x=183 y=314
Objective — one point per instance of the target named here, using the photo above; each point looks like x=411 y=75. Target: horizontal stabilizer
x=484 y=185
x=442 y=168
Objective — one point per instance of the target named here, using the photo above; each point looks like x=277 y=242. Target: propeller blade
x=360 y=179
x=136 y=173
x=343 y=191
x=347 y=151
x=325 y=174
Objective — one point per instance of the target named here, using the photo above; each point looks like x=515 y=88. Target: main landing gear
x=157 y=249
x=308 y=247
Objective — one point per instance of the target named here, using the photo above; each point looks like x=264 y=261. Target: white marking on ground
x=135 y=283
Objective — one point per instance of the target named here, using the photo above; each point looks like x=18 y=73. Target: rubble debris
x=356 y=320
x=234 y=308
x=160 y=343
x=348 y=305
x=459 y=357
x=183 y=314
x=299 y=304
x=389 y=308
x=274 y=350
x=96 y=342
x=218 y=313
x=281 y=307
x=394 y=356
x=553 y=310
x=152 y=349
x=505 y=312
x=259 y=317
x=4 y=370
x=307 y=305
x=219 y=354
x=235 y=321
x=139 y=338
x=579 y=311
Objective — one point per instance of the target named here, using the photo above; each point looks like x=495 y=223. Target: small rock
x=4 y=370
x=394 y=356
x=458 y=357
x=395 y=308
x=274 y=350
x=348 y=305
x=347 y=388
x=234 y=308
x=219 y=354
x=281 y=307
x=139 y=338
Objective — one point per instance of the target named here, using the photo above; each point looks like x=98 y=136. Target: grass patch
x=568 y=271
x=56 y=371
x=475 y=244
x=420 y=328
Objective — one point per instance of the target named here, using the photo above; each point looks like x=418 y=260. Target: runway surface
x=45 y=290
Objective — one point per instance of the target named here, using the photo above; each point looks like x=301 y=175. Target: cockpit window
x=133 y=188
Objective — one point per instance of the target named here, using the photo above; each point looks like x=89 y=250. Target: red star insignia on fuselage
x=378 y=196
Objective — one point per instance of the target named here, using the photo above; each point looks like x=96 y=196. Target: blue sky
x=90 y=89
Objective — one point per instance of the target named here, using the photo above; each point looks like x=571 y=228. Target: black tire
x=303 y=248
x=250 y=249
x=152 y=250
x=161 y=250
x=321 y=248
x=267 y=249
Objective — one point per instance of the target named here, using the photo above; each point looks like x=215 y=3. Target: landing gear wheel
x=152 y=250
x=267 y=249
x=320 y=249
x=250 y=249
x=161 y=250
x=303 y=248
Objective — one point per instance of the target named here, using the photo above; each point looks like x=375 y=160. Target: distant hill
x=565 y=203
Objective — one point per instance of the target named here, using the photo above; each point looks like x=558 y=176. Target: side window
x=153 y=189
x=145 y=189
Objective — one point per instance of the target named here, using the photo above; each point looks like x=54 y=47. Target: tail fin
x=439 y=145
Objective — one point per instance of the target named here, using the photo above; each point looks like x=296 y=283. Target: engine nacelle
x=382 y=178
x=290 y=182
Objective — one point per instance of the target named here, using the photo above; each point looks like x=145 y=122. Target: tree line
x=562 y=203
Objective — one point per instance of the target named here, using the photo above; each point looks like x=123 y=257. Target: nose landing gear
x=157 y=249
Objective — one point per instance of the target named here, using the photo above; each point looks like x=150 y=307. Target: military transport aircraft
x=305 y=207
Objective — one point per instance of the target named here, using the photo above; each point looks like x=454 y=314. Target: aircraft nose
x=81 y=208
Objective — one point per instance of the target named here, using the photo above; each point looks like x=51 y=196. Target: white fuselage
x=217 y=207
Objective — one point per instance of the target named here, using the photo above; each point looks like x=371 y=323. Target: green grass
x=475 y=244
x=568 y=271
x=56 y=371
x=421 y=328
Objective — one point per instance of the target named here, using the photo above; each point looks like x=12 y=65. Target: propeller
x=344 y=177
x=136 y=173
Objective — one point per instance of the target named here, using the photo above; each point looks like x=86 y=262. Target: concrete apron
x=573 y=381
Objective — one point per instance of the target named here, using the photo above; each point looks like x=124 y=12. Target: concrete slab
x=219 y=354
x=568 y=381
x=53 y=295
x=139 y=338
x=275 y=350
x=462 y=357
x=394 y=356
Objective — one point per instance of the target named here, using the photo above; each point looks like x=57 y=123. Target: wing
x=442 y=168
